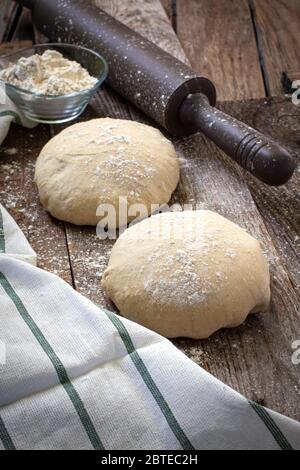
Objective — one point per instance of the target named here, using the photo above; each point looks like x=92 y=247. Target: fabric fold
x=9 y=113
x=13 y=242
x=140 y=398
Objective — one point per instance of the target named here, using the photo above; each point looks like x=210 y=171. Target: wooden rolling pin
x=163 y=87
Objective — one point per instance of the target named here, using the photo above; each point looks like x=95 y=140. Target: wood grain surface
x=9 y=12
x=278 y=23
x=24 y=27
x=169 y=7
x=255 y=358
x=18 y=194
x=279 y=206
x=257 y=355
x=219 y=40
x=275 y=25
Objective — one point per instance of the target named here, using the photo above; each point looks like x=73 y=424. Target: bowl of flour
x=52 y=83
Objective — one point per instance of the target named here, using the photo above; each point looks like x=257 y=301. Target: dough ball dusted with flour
x=97 y=162
x=187 y=274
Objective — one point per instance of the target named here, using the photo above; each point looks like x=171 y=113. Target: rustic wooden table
x=243 y=46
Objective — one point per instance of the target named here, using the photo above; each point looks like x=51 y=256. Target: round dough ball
x=187 y=274
x=98 y=161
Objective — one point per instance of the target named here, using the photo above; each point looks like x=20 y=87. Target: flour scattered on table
x=11 y=151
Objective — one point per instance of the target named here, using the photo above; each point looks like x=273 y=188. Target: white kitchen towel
x=10 y=113
x=12 y=240
x=74 y=376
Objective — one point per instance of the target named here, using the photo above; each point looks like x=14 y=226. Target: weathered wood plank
x=219 y=40
x=279 y=206
x=168 y=7
x=256 y=358
x=276 y=23
x=278 y=33
x=46 y=235
x=24 y=27
x=18 y=193
x=8 y=14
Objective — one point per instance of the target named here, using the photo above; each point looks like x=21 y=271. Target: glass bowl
x=51 y=109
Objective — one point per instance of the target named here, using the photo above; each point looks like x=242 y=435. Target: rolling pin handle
x=260 y=155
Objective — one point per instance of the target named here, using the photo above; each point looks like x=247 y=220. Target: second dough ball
x=96 y=162
x=187 y=274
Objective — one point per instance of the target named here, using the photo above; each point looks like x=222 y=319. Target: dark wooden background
x=244 y=47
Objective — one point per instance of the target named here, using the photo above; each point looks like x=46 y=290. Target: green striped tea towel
x=74 y=376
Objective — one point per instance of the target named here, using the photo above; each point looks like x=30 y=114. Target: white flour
x=48 y=74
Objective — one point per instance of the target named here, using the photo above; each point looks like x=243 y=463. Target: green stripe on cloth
x=145 y=374
x=272 y=426
x=2 y=238
x=58 y=366
x=5 y=437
